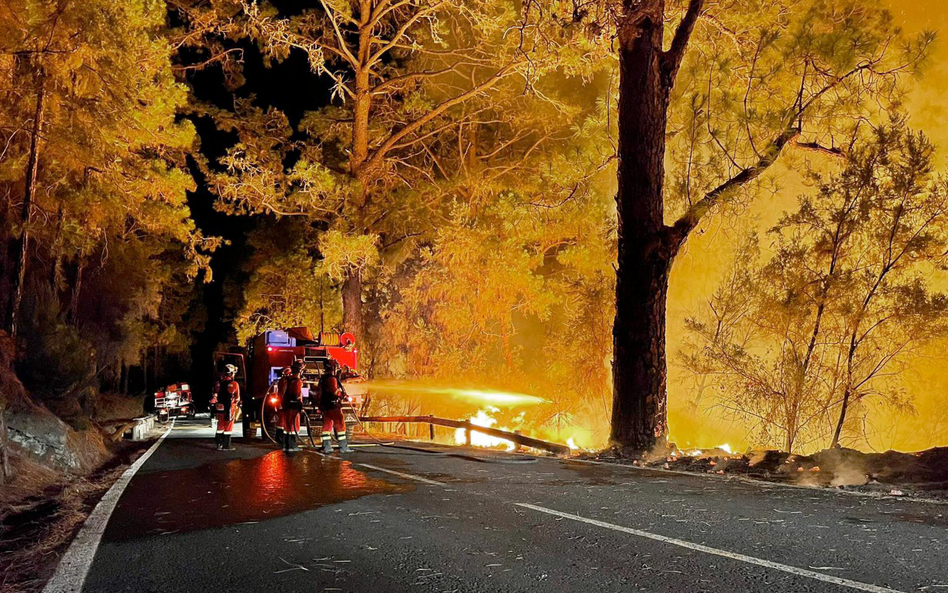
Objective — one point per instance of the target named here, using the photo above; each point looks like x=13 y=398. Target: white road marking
x=71 y=573
x=717 y=552
x=402 y=475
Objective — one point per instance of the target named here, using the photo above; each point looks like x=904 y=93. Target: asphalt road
x=384 y=519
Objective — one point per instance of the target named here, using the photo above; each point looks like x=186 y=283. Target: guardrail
x=137 y=429
x=468 y=426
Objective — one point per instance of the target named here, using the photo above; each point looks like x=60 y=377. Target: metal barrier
x=136 y=429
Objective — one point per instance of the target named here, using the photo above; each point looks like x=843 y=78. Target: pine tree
x=419 y=91
x=93 y=171
x=829 y=320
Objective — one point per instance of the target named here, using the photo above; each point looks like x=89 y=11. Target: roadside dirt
x=35 y=530
x=922 y=474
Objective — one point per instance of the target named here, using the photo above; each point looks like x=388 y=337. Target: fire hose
x=304 y=419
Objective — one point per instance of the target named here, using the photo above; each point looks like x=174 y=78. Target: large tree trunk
x=639 y=418
x=353 y=313
x=21 y=246
x=639 y=415
x=352 y=318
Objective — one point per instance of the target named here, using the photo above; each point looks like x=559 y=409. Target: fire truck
x=174 y=401
x=259 y=366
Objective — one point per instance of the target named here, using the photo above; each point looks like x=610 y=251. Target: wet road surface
x=385 y=519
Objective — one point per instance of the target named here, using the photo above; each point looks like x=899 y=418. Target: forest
x=685 y=221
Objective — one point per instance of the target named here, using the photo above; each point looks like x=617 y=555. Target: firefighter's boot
x=327 y=443
x=343 y=443
x=279 y=437
x=227 y=446
x=218 y=440
x=291 y=442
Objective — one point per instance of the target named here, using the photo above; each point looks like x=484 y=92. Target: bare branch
x=817 y=147
x=690 y=219
x=436 y=111
x=676 y=53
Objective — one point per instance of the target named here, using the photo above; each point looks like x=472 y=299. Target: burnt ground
x=387 y=519
x=923 y=474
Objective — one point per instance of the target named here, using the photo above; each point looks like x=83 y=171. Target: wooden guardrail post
x=430 y=431
x=467 y=433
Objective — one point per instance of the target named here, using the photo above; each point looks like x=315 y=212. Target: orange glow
x=483 y=418
x=470 y=395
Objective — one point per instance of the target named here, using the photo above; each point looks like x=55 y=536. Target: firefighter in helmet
x=331 y=397
x=226 y=401
x=290 y=389
x=278 y=390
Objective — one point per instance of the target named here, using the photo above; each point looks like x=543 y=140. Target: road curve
x=385 y=519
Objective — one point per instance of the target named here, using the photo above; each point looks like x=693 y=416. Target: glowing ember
x=726 y=448
x=483 y=418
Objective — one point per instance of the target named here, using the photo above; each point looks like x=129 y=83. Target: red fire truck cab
x=174 y=401
x=266 y=356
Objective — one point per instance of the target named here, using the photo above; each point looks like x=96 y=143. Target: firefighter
x=331 y=397
x=290 y=389
x=226 y=401
x=278 y=390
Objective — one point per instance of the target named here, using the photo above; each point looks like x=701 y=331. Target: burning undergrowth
x=510 y=411
x=923 y=473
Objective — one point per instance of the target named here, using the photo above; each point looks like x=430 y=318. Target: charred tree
x=646 y=246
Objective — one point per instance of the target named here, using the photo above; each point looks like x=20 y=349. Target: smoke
x=480 y=397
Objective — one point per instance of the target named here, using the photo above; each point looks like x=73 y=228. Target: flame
x=726 y=448
x=478 y=396
x=571 y=443
x=483 y=418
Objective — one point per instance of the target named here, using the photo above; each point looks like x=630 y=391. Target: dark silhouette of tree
x=705 y=109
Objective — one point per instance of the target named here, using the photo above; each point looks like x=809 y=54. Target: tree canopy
x=491 y=193
x=94 y=178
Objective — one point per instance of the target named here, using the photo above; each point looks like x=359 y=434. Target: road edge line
x=70 y=575
x=802 y=572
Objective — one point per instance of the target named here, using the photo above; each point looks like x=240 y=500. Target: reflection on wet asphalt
x=227 y=491
x=258 y=520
